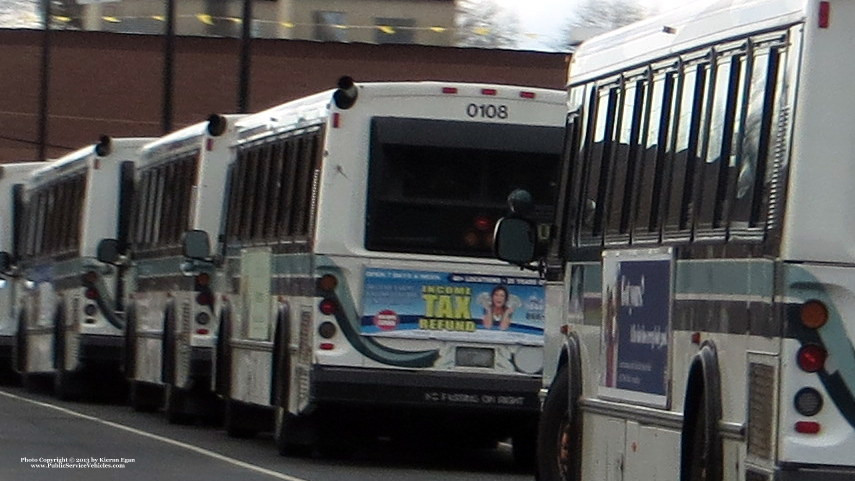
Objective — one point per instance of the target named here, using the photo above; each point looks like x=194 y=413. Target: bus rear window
x=438 y=187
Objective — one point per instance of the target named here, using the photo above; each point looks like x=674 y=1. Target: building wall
x=107 y=83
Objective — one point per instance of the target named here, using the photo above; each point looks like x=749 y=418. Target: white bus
x=179 y=185
x=68 y=304
x=701 y=275
x=12 y=177
x=358 y=268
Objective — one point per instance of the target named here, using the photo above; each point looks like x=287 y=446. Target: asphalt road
x=42 y=438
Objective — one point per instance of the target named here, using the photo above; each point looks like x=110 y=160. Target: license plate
x=475 y=357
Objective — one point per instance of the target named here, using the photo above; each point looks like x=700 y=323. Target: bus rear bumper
x=469 y=391
x=795 y=472
x=102 y=349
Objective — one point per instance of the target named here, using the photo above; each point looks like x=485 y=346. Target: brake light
x=203 y=280
x=489 y=92
x=483 y=224
x=327 y=307
x=808 y=427
x=205 y=298
x=91 y=293
x=336 y=120
x=89 y=277
x=202 y=332
x=449 y=90
x=527 y=95
x=327 y=346
x=811 y=357
x=824 y=14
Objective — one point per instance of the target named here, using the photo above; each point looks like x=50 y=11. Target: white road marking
x=190 y=447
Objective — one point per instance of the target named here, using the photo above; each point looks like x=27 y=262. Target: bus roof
x=694 y=24
x=17 y=171
x=312 y=109
x=79 y=157
x=176 y=142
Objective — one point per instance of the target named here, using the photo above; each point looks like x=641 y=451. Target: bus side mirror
x=196 y=245
x=515 y=241
x=108 y=251
x=5 y=262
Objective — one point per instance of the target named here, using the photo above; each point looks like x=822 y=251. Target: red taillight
x=202 y=332
x=327 y=346
x=449 y=90
x=489 y=92
x=824 y=14
x=203 y=280
x=808 y=427
x=90 y=277
x=205 y=298
x=811 y=357
x=336 y=120
x=483 y=224
x=91 y=293
x=527 y=95
x=327 y=307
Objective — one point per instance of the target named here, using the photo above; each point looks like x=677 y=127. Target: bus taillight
x=527 y=95
x=490 y=92
x=449 y=90
x=811 y=357
x=327 y=283
x=327 y=307
x=808 y=427
x=91 y=293
x=813 y=314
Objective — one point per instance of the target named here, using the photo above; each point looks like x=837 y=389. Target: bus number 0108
x=488 y=111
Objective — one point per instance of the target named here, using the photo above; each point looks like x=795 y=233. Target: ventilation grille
x=761 y=410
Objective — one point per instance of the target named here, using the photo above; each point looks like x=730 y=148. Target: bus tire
x=235 y=421
x=65 y=384
x=294 y=435
x=143 y=397
x=701 y=445
x=19 y=357
x=167 y=347
x=524 y=446
x=559 y=432
x=174 y=400
x=129 y=361
x=222 y=352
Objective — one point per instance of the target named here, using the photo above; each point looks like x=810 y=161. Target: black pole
x=168 y=61
x=45 y=80
x=245 y=57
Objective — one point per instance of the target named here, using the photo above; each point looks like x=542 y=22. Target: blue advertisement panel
x=401 y=302
x=636 y=325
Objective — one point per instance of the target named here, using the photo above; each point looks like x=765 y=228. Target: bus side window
x=754 y=146
x=712 y=195
x=684 y=154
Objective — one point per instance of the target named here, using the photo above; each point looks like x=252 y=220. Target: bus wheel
x=701 y=458
x=235 y=420
x=524 y=446
x=65 y=384
x=555 y=433
x=294 y=435
x=129 y=362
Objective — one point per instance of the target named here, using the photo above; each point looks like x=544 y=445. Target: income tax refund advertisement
x=452 y=305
